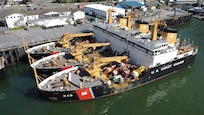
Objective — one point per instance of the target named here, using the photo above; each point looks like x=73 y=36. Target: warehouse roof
x=102 y=7
x=129 y=4
x=34 y=12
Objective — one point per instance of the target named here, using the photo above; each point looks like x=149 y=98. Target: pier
x=171 y=18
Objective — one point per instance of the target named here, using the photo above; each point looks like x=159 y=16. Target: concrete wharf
x=171 y=18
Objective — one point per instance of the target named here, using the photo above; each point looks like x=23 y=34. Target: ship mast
x=128 y=16
x=110 y=11
x=110 y=18
x=155 y=24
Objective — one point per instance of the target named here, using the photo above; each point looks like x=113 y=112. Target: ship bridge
x=141 y=48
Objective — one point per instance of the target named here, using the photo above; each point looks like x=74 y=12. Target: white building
x=78 y=15
x=47 y=16
x=187 y=1
x=183 y=1
x=101 y=11
x=14 y=1
x=17 y=18
x=140 y=1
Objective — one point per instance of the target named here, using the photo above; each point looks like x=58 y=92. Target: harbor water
x=180 y=93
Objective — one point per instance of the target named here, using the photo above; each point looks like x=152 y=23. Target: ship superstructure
x=148 y=47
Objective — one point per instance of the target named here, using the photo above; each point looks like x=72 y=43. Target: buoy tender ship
x=153 y=54
x=102 y=77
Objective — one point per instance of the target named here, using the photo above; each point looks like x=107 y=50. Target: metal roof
x=102 y=7
x=8 y=12
x=129 y=4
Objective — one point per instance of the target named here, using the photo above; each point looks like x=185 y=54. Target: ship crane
x=77 y=49
x=110 y=12
x=64 y=41
x=94 y=69
x=155 y=24
x=110 y=18
x=127 y=18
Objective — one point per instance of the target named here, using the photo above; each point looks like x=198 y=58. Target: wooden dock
x=11 y=46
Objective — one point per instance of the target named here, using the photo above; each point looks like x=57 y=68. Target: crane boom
x=77 y=50
x=68 y=35
x=80 y=45
x=109 y=59
x=155 y=24
x=94 y=68
x=64 y=41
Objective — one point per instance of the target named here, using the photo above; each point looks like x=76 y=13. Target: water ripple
x=162 y=91
x=104 y=111
x=159 y=95
x=3 y=95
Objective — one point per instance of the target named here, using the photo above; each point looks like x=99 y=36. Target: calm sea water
x=178 y=94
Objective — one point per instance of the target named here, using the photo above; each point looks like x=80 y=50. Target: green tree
x=64 y=1
x=5 y=2
x=24 y=1
x=58 y=1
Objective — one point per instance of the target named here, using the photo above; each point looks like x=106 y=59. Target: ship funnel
x=142 y=26
x=125 y=22
x=169 y=34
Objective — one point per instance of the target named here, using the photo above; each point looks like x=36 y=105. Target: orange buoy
x=109 y=69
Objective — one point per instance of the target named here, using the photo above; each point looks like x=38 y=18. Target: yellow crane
x=110 y=18
x=64 y=41
x=77 y=49
x=136 y=73
x=155 y=24
x=94 y=68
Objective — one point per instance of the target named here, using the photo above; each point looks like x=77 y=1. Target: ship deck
x=70 y=82
x=66 y=60
x=133 y=36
